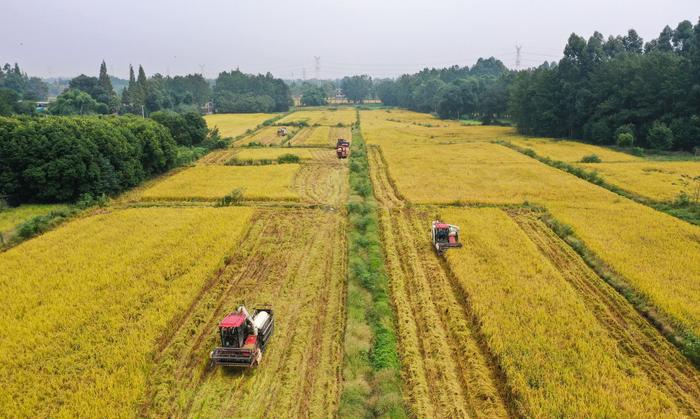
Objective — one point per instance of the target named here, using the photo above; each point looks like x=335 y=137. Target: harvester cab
x=444 y=236
x=243 y=337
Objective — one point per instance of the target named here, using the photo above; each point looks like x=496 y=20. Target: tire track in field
x=636 y=337
x=384 y=189
x=283 y=260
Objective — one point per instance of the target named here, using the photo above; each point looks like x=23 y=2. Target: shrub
x=660 y=136
x=638 y=151
x=233 y=198
x=625 y=139
x=187 y=129
x=288 y=158
x=591 y=158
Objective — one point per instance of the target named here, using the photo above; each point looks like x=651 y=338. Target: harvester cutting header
x=243 y=338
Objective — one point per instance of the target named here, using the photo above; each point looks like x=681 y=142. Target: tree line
x=18 y=91
x=60 y=159
x=479 y=92
x=618 y=90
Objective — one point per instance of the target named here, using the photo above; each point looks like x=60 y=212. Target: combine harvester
x=444 y=236
x=342 y=148
x=243 y=338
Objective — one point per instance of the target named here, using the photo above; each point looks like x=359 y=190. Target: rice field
x=656 y=180
x=95 y=296
x=212 y=182
x=571 y=151
x=327 y=116
x=233 y=125
x=658 y=255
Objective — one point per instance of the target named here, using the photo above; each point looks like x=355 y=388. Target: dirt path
x=295 y=260
x=637 y=338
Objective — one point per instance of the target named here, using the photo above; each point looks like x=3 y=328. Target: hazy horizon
x=388 y=39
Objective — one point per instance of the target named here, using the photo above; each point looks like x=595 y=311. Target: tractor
x=243 y=338
x=444 y=236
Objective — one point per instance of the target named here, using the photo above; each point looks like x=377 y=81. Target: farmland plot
x=658 y=255
x=570 y=151
x=327 y=116
x=212 y=182
x=495 y=384
x=267 y=136
x=95 y=296
x=558 y=357
x=295 y=260
x=656 y=180
x=323 y=179
x=233 y=125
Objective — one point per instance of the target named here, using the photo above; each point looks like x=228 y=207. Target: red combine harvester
x=444 y=236
x=342 y=148
x=243 y=338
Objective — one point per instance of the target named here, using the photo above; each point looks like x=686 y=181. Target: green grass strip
x=371 y=370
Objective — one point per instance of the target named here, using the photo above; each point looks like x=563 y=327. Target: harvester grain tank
x=243 y=337
x=342 y=148
x=444 y=236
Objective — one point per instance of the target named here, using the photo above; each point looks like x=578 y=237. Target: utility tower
x=518 y=48
x=303 y=73
x=317 y=67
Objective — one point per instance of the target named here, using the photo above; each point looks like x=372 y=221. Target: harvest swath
x=95 y=296
x=233 y=125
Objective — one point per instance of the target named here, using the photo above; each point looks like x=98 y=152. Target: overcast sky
x=381 y=37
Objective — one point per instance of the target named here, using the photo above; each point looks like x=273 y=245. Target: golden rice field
x=212 y=182
x=657 y=180
x=570 y=151
x=267 y=136
x=327 y=116
x=658 y=254
x=313 y=136
x=95 y=296
x=10 y=218
x=233 y=125
x=557 y=357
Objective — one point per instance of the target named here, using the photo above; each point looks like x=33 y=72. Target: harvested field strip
x=384 y=189
x=339 y=132
x=296 y=260
x=323 y=183
x=316 y=136
x=558 y=358
x=267 y=136
x=437 y=344
x=641 y=341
